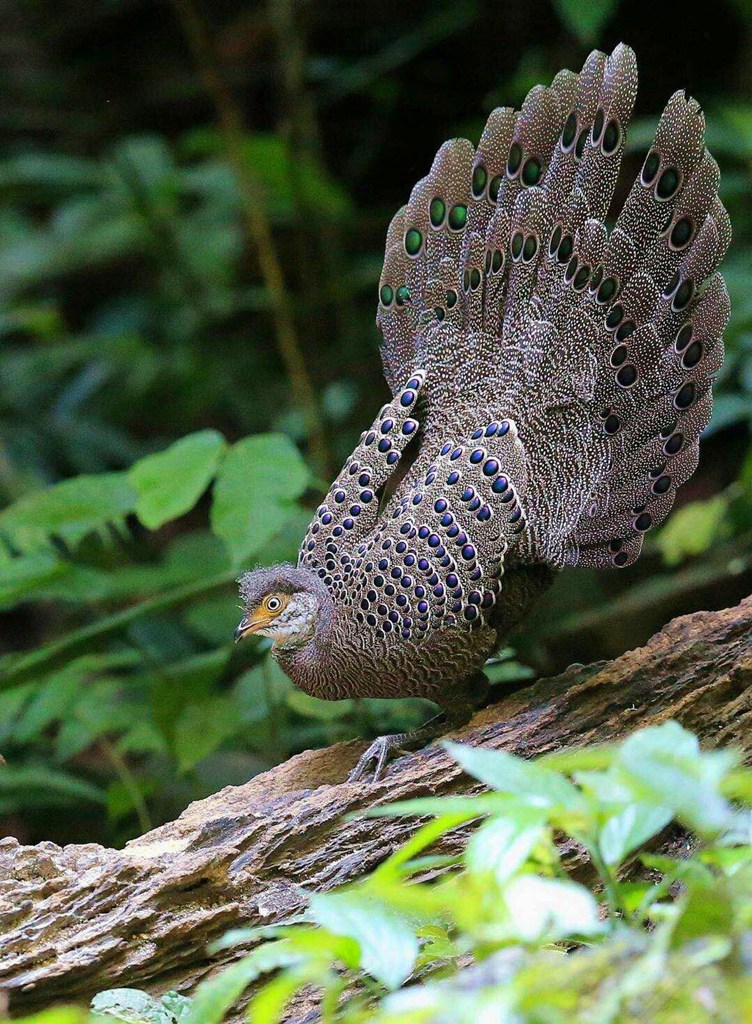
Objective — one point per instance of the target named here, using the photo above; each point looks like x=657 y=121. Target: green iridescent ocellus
x=550 y=381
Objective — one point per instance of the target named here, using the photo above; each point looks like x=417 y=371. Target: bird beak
x=249 y=624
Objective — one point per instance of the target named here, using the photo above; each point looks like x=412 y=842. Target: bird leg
x=453 y=716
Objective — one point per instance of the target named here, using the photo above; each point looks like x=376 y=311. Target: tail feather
x=502 y=282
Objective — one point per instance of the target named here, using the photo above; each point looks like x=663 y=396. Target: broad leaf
x=68 y=510
x=624 y=832
x=548 y=908
x=203 y=727
x=665 y=764
x=501 y=846
x=132 y=1006
x=170 y=483
x=509 y=774
x=388 y=945
x=258 y=483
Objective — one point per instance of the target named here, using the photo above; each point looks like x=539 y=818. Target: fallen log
x=83 y=918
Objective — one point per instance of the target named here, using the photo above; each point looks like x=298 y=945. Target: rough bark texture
x=80 y=919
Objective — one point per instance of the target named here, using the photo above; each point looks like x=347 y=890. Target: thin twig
x=302 y=131
x=232 y=129
x=129 y=783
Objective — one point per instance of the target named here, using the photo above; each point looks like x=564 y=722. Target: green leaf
x=501 y=846
x=270 y=1003
x=130 y=1005
x=22 y=576
x=259 y=480
x=388 y=944
x=585 y=19
x=549 y=909
x=38 y=786
x=51 y=702
x=170 y=483
x=213 y=998
x=133 y=1006
x=509 y=774
x=692 y=529
x=624 y=832
x=68 y=510
x=58 y=1015
x=202 y=727
x=468 y=806
x=664 y=764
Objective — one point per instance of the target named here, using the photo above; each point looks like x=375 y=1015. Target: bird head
x=284 y=603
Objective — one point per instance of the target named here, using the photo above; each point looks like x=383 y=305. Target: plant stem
x=259 y=229
x=610 y=888
x=126 y=777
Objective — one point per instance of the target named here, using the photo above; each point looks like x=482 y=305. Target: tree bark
x=79 y=919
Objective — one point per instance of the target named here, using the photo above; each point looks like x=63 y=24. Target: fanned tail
x=503 y=285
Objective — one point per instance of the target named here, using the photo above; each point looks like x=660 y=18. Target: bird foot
x=380 y=751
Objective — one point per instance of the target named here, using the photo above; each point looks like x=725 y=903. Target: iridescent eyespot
x=457 y=217
x=683 y=295
x=611 y=138
x=581 y=278
x=650 y=168
x=627 y=375
x=685 y=396
x=553 y=245
x=437 y=212
x=479 y=181
x=515 y=159
x=681 y=234
x=569 y=133
x=683 y=338
x=607 y=290
x=413 y=242
x=529 y=249
x=692 y=356
x=668 y=184
x=571 y=270
x=596 y=279
x=566 y=248
x=531 y=171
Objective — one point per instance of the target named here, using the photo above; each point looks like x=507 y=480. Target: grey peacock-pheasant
x=550 y=381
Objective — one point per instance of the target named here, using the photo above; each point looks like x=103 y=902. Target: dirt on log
x=79 y=919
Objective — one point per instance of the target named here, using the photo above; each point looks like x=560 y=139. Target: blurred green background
x=194 y=201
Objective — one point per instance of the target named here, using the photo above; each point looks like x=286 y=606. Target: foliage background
x=160 y=163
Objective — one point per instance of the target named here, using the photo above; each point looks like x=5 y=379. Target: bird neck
x=308 y=663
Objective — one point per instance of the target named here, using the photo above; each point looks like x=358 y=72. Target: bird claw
x=380 y=751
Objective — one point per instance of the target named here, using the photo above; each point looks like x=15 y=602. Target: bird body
x=550 y=379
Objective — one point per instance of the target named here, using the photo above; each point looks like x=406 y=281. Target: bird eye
x=273 y=604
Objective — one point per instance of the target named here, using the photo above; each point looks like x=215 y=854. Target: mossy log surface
x=79 y=919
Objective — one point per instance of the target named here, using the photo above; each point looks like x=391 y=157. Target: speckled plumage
x=550 y=380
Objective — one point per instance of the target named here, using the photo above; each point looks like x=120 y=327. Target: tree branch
x=80 y=919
